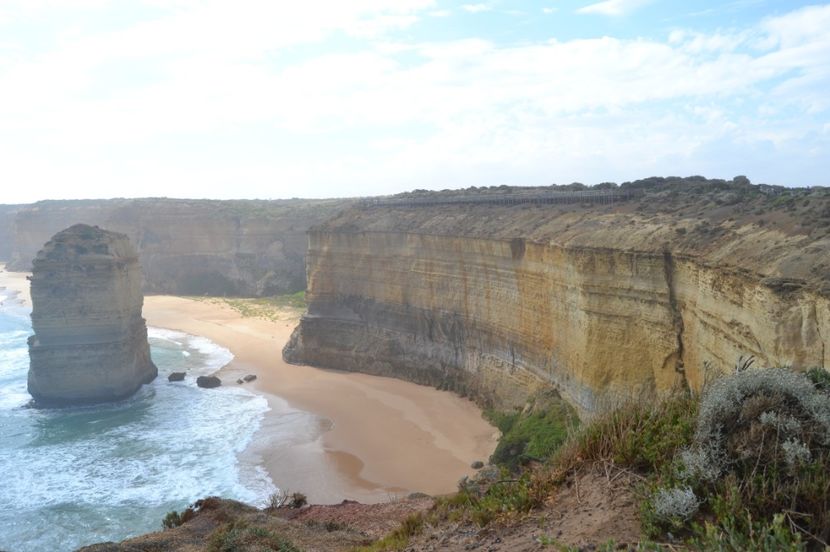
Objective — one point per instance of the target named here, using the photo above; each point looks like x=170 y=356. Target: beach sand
x=15 y=281
x=379 y=438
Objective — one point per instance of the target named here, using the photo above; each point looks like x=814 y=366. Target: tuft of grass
x=399 y=538
x=820 y=378
x=642 y=436
x=239 y=536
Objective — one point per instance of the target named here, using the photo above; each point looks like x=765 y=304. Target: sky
x=334 y=98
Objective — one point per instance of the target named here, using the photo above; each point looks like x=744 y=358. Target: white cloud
x=476 y=8
x=613 y=7
x=225 y=110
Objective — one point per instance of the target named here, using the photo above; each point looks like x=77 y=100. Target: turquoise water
x=76 y=476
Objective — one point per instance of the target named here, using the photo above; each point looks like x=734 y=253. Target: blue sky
x=272 y=99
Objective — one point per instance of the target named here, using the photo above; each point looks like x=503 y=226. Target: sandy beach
x=379 y=438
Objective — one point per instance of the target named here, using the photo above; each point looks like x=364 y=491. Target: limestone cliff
x=90 y=342
x=602 y=301
x=7 y=214
x=192 y=247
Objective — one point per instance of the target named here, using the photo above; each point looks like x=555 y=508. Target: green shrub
x=175 y=519
x=504 y=497
x=760 y=458
x=742 y=534
x=534 y=434
x=500 y=499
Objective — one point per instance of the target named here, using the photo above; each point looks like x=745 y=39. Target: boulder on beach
x=208 y=382
x=249 y=377
x=176 y=376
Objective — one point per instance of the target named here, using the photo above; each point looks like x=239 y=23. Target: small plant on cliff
x=298 y=500
x=676 y=504
x=282 y=499
x=175 y=519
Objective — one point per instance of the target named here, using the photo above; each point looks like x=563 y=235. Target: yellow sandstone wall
x=497 y=317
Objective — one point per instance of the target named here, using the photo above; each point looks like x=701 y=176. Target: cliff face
x=192 y=246
x=603 y=302
x=90 y=343
x=7 y=214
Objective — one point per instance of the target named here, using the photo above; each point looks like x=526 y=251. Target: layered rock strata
x=90 y=341
x=192 y=247
x=604 y=303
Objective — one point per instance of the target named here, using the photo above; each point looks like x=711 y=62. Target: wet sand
x=377 y=438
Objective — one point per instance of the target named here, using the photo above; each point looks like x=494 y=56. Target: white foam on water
x=75 y=476
x=165 y=335
x=211 y=357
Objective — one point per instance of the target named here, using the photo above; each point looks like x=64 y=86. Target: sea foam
x=76 y=476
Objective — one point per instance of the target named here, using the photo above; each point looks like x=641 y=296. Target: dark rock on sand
x=208 y=382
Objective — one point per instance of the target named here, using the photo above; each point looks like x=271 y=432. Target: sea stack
x=90 y=342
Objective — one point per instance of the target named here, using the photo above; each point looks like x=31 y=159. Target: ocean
x=76 y=476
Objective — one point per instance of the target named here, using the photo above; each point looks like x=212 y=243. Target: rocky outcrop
x=601 y=301
x=90 y=342
x=192 y=247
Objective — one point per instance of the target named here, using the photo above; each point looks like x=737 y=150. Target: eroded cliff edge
x=90 y=342
x=602 y=301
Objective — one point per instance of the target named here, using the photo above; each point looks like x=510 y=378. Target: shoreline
x=377 y=438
